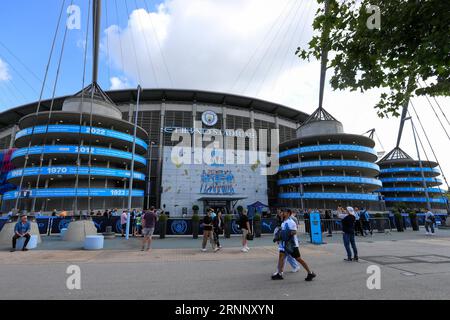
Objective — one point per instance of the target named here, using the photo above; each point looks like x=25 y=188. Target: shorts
x=148 y=232
x=295 y=253
x=244 y=233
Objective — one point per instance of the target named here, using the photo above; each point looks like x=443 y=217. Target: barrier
x=32 y=244
x=94 y=242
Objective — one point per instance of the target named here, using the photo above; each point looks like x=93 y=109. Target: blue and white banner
x=434 y=200
x=329 y=179
x=84 y=171
x=330 y=163
x=112 y=153
x=332 y=196
x=328 y=147
x=71 y=192
x=412 y=179
x=66 y=128
x=393 y=170
x=434 y=190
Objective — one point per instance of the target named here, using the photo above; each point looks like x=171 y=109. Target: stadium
x=101 y=181
x=326 y=168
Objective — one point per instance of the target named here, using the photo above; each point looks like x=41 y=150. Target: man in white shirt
x=289 y=245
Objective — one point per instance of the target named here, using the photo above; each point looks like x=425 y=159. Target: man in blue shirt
x=22 y=229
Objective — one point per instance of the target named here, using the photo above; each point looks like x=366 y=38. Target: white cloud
x=207 y=44
x=118 y=83
x=4 y=71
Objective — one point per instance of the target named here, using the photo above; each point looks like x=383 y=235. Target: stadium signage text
x=215 y=132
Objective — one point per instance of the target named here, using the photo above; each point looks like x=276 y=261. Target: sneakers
x=348 y=259
x=356 y=259
x=12 y=250
x=24 y=249
x=244 y=250
x=295 y=270
x=216 y=249
x=203 y=250
x=310 y=276
x=277 y=276
x=246 y=247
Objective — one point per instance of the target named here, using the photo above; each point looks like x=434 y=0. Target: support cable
x=44 y=143
x=159 y=44
x=437 y=103
x=428 y=162
x=267 y=50
x=288 y=48
x=80 y=142
x=264 y=41
x=38 y=106
x=289 y=24
x=147 y=48
x=133 y=42
x=120 y=36
x=429 y=143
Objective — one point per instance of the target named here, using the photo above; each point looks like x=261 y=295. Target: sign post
x=316 y=230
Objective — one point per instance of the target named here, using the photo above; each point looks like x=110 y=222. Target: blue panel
x=330 y=163
x=435 y=190
x=63 y=128
x=327 y=147
x=331 y=196
x=391 y=170
x=410 y=179
x=434 y=200
x=83 y=150
x=316 y=231
x=71 y=192
x=329 y=179
x=73 y=171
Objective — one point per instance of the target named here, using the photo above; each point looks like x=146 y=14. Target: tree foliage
x=412 y=46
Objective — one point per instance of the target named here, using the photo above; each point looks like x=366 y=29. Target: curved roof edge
x=12 y=116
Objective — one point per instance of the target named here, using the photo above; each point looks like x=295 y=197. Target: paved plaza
x=413 y=266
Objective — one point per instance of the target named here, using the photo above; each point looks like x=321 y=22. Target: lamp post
x=130 y=187
x=149 y=174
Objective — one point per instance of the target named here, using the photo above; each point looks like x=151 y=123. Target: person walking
x=218 y=224
x=430 y=219
x=207 y=231
x=289 y=245
x=288 y=258
x=138 y=226
x=22 y=229
x=348 y=227
x=328 y=223
x=365 y=219
x=123 y=222
x=149 y=219
x=244 y=224
x=358 y=224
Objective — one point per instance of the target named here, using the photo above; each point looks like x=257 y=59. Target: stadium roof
x=12 y=116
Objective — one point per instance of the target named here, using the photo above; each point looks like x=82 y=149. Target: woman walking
x=218 y=224
x=207 y=231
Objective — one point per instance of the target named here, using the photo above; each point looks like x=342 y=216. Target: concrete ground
x=413 y=266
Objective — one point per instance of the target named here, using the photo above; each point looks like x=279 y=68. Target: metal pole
x=130 y=186
x=96 y=9
x=421 y=167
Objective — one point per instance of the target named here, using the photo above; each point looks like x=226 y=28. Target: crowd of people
x=142 y=223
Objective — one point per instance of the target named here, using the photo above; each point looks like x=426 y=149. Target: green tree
x=412 y=44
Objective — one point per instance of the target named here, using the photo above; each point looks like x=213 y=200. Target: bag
x=289 y=247
x=249 y=236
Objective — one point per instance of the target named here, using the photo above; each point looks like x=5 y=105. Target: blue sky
x=235 y=46
x=27 y=28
